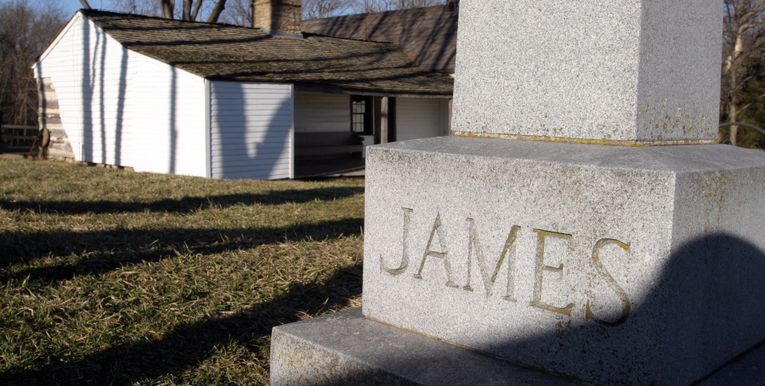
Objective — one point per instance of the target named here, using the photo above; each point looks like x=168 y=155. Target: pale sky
x=68 y=6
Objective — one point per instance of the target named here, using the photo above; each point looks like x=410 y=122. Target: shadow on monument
x=704 y=311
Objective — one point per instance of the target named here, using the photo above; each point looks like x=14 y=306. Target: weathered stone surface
x=619 y=70
x=618 y=265
x=346 y=349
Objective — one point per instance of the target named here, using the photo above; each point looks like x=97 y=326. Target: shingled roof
x=429 y=35
x=226 y=52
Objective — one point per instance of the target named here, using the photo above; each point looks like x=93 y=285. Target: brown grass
x=111 y=276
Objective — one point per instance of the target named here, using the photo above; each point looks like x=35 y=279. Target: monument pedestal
x=605 y=264
x=609 y=264
x=347 y=349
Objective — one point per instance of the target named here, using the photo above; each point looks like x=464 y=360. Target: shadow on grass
x=103 y=251
x=189 y=344
x=184 y=205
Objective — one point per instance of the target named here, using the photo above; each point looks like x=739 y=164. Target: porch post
x=384 y=107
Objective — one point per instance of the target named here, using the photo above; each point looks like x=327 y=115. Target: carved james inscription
x=542 y=267
x=441 y=254
x=474 y=247
x=436 y=252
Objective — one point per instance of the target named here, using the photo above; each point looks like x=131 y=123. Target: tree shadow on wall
x=251 y=131
x=102 y=124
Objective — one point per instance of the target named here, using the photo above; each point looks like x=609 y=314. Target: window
x=361 y=115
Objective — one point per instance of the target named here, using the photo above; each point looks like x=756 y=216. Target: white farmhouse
x=222 y=101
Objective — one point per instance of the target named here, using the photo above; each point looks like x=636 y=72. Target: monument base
x=347 y=349
x=610 y=264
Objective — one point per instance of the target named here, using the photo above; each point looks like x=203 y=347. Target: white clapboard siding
x=251 y=130
x=322 y=112
x=123 y=108
x=421 y=118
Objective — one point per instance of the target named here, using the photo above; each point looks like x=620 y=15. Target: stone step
x=348 y=349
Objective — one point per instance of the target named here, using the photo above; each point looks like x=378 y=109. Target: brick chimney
x=278 y=17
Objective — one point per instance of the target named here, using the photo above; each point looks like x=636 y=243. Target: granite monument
x=579 y=225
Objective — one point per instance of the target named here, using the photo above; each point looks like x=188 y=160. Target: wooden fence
x=19 y=137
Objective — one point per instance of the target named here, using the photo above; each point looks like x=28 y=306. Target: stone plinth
x=618 y=71
x=608 y=264
x=347 y=349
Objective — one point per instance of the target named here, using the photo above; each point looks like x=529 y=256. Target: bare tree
x=195 y=12
x=744 y=42
x=191 y=10
x=187 y=9
x=313 y=9
x=403 y=4
x=220 y=5
x=25 y=31
x=168 y=8
x=391 y=5
x=238 y=12
x=139 y=7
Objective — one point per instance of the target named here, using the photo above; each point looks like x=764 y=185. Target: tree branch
x=186 y=10
x=220 y=5
x=168 y=8
x=85 y=4
x=197 y=7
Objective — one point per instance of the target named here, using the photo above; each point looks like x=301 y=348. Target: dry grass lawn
x=115 y=277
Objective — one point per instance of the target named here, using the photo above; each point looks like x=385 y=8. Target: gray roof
x=428 y=35
x=226 y=52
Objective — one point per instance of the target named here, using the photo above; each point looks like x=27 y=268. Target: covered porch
x=332 y=127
